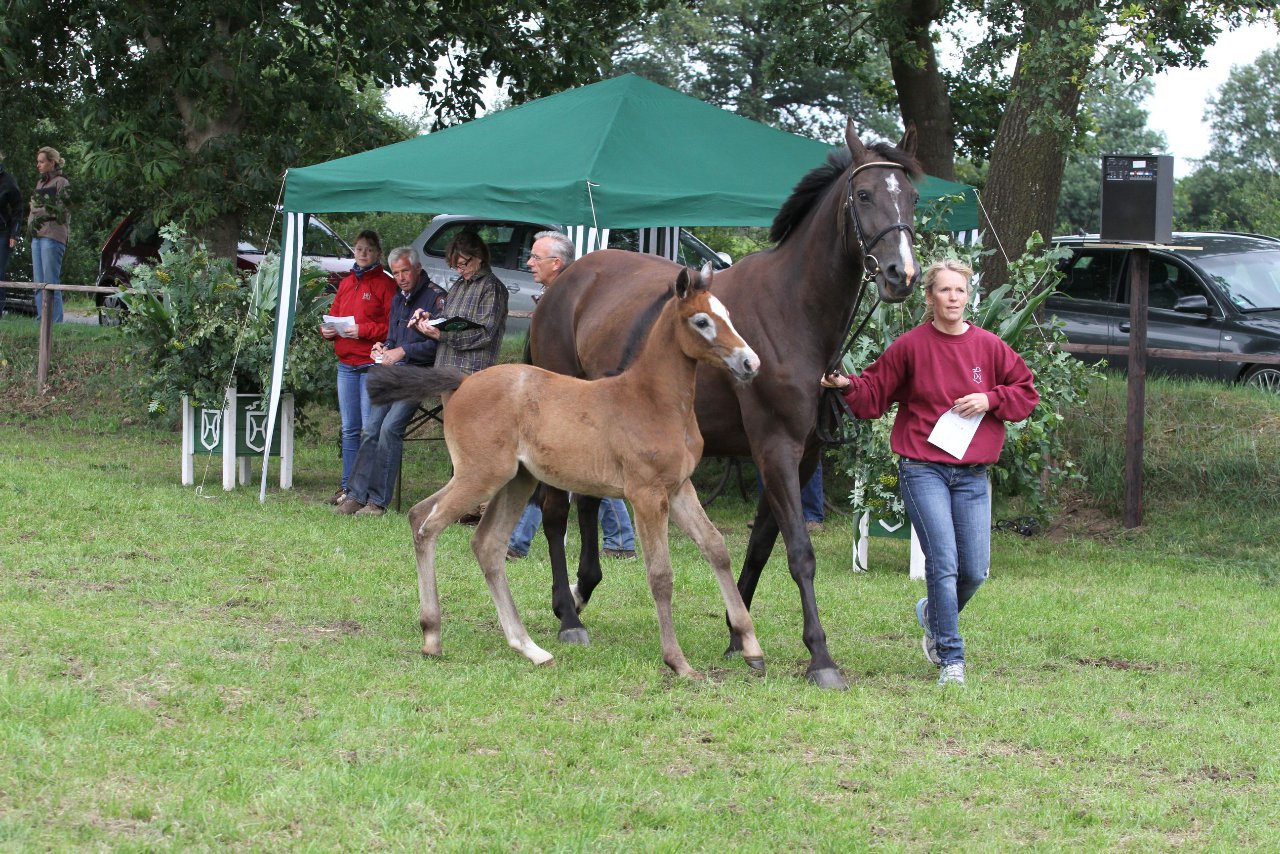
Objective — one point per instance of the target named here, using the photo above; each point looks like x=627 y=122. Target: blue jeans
x=949 y=508
x=615 y=524
x=812 y=499
x=353 y=406
x=46 y=267
x=373 y=478
x=522 y=536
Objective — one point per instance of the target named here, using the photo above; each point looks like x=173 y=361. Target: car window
x=1091 y=275
x=1250 y=280
x=1168 y=282
x=507 y=242
x=319 y=240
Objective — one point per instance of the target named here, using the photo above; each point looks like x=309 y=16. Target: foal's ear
x=707 y=272
x=856 y=148
x=685 y=283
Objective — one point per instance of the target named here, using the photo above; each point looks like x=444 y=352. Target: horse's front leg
x=555 y=523
x=782 y=481
x=651 y=526
x=687 y=513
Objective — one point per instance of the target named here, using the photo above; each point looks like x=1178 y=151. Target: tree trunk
x=922 y=93
x=1032 y=141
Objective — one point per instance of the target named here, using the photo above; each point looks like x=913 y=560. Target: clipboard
x=454 y=324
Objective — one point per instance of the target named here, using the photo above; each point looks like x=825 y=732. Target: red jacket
x=366 y=297
x=925 y=371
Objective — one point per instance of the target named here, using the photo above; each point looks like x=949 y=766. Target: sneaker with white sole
x=927 y=643
x=951 y=674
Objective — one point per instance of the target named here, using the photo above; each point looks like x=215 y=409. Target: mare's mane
x=811 y=187
x=639 y=332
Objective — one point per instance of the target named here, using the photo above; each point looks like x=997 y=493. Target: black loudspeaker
x=1137 y=198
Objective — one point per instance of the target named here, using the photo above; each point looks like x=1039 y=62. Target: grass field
x=190 y=670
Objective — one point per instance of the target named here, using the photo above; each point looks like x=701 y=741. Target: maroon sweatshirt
x=925 y=371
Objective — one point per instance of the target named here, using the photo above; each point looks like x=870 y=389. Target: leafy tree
x=1114 y=123
x=1237 y=185
x=807 y=77
x=1061 y=45
x=193 y=110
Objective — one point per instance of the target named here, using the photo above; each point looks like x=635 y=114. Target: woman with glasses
x=477 y=295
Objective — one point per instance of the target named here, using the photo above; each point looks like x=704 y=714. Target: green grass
x=188 y=670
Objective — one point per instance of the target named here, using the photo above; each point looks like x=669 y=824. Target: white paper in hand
x=346 y=323
x=954 y=432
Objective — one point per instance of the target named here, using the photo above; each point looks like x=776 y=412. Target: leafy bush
x=1034 y=462
x=199 y=325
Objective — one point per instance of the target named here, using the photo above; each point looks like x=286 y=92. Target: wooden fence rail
x=46 y=320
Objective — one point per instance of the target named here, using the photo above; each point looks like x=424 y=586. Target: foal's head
x=704 y=330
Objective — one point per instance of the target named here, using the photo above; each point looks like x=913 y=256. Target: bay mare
x=632 y=436
x=846 y=224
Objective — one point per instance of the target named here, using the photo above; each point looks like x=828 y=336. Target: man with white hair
x=373 y=476
x=550 y=254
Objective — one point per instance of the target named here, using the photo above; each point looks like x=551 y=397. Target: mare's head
x=703 y=328
x=876 y=222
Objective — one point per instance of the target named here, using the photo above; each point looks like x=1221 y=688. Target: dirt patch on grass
x=1117 y=664
x=1077 y=519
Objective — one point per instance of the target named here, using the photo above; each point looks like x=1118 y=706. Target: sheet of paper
x=342 y=324
x=953 y=432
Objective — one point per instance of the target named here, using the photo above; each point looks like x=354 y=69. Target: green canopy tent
x=622 y=153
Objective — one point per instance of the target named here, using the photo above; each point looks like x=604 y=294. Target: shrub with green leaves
x=199 y=325
x=1034 y=462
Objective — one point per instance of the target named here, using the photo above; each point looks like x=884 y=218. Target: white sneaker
x=951 y=674
x=927 y=642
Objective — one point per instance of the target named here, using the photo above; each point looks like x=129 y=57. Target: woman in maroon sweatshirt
x=945 y=367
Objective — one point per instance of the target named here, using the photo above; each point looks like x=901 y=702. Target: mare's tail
x=390 y=383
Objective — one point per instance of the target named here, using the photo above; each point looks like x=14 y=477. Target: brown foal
x=633 y=435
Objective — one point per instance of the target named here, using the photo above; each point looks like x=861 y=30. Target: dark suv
x=1209 y=291
x=135 y=240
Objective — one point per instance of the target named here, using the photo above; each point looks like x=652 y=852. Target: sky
x=1181 y=95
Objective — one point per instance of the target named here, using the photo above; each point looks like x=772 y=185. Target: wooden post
x=286 y=444
x=46 y=339
x=1139 y=276
x=188 y=442
x=229 y=428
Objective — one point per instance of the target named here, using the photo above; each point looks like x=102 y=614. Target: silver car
x=510 y=242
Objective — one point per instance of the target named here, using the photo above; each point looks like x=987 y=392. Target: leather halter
x=831 y=406
x=870 y=264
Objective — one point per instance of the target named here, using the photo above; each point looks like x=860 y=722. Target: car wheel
x=111 y=309
x=1265 y=377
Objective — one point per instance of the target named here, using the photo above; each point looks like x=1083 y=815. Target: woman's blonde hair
x=51 y=154
x=930 y=278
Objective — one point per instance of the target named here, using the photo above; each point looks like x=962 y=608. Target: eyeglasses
x=540 y=258
x=462 y=260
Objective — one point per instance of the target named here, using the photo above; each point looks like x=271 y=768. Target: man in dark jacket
x=373 y=477
x=10 y=223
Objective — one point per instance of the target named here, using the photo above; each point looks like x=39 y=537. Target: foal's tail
x=390 y=383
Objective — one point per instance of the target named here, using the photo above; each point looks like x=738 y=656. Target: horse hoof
x=575 y=636
x=756 y=664
x=828 y=678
